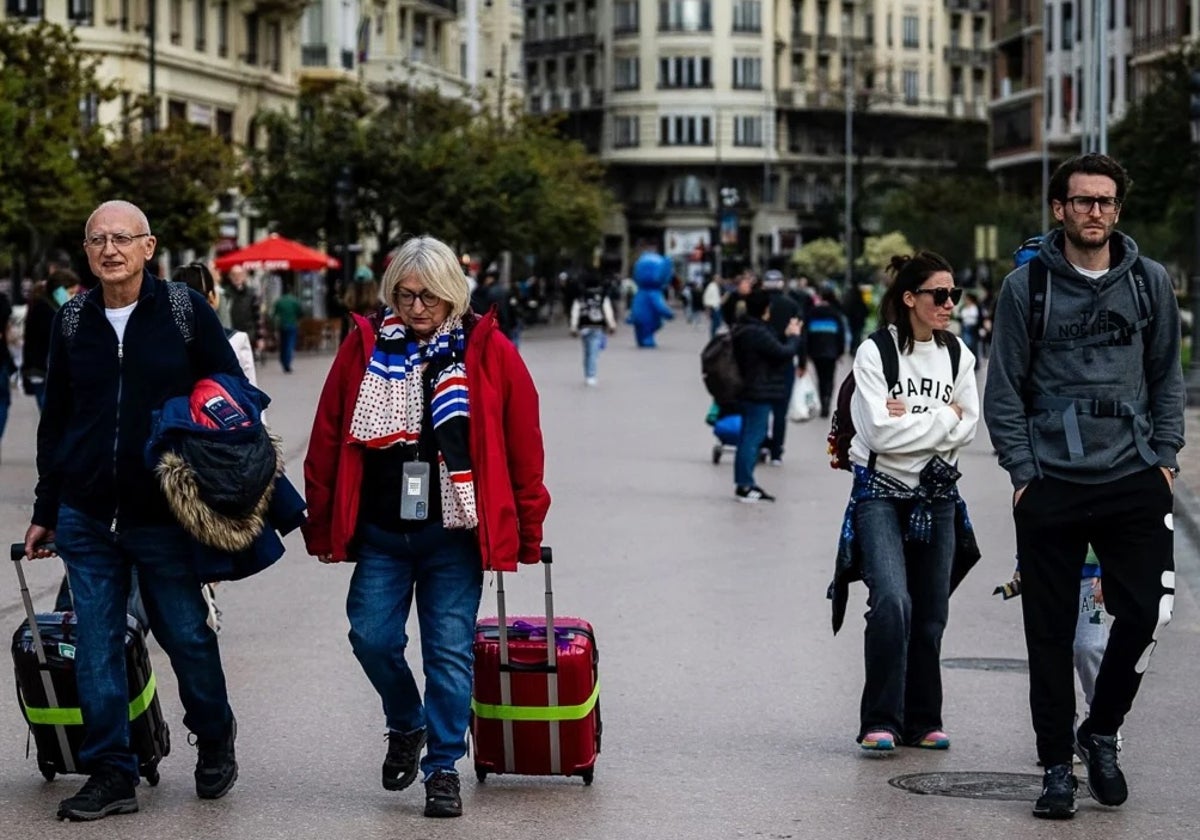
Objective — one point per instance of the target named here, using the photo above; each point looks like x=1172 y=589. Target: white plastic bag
x=804 y=404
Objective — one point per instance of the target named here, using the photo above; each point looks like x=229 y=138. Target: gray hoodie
x=1143 y=368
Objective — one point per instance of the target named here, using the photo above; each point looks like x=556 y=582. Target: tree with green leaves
x=878 y=251
x=45 y=192
x=820 y=258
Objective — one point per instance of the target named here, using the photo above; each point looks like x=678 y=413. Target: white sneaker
x=591 y=382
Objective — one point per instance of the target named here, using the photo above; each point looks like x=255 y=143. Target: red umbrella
x=277 y=253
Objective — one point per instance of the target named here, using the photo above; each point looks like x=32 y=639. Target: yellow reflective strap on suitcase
x=496 y=711
x=74 y=717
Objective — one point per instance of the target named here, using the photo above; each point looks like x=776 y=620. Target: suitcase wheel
x=481 y=772
x=716 y=454
x=587 y=775
x=48 y=771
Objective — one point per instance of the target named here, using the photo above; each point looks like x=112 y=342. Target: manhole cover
x=1007 y=787
x=985 y=664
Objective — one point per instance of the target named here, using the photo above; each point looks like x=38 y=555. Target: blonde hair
x=435 y=264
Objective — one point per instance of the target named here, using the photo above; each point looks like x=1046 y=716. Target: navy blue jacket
x=100 y=396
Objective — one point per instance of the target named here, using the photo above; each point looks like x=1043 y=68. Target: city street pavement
x=729 y=708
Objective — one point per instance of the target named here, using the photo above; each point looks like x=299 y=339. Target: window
x=274 y=56
x=685 y=131
x=687 y=191
x=685 y=15
x=570 y=21
x=225 y=125
x=625 y=132
x=911 y=35
x=532 y=74
x=888 y=32
x=747 y=131
x=747 y=73
x=176 y=112
x=223 y=29
x=27 y=9
x=417 y=50
x=531 y=23
x=200 y=10
x=175 y=21
x=251 y=39
x=625 y=73
x=911 y=87
x=550 y=23
x=89 y=110
x=747 y=16
x=869 y=28
x=685 y=72
x=1068 y=28
x=625 y=16
x=81 y=12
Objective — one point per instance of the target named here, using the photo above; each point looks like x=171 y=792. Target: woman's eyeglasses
x=940 y=296
x=406 y=298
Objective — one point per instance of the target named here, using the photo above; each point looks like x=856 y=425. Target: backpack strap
x=1038 y=287
x=890 y=357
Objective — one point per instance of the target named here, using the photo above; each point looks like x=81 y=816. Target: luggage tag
x=414 y=495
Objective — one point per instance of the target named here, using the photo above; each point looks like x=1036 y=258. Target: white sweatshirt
x=929 y=426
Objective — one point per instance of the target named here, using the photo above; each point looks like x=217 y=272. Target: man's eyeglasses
x=1084 y=203
x=97 y=241
x=940 y=296
x=406 y=298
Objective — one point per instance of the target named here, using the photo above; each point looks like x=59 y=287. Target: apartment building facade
x=726 y=120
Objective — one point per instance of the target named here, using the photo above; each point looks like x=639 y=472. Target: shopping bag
x=804 y=404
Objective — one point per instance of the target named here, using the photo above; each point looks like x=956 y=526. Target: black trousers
x=826 y=368
x=1128 y=523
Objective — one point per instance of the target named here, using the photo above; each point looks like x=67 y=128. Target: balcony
x=976 y=6
x=966 y=55
x=558 y=46
x=314 y=55
x=802 y=41
x=450 y=6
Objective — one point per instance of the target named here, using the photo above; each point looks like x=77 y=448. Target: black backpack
x=841 y=429
x=719 y=369
x=1038 y=287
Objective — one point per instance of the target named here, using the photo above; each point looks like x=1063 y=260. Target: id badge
x=414 y=495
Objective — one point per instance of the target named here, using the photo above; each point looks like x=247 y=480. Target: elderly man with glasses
x=117 y=353
x=1084 y=403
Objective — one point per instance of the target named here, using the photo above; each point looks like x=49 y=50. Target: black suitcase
x=43 y=650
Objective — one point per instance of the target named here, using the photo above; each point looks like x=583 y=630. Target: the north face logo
x=1106 y=321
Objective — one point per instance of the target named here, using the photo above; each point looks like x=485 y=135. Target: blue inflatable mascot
x=652 y=272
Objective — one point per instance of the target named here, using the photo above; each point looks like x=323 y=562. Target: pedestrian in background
x=7 y=365
x=1084 y=403
x=762 y=358
x=103 y=507
x=244 y=306
x=45 y=298
x=903 y=502
x=969 y=318
x=592 y=319
x=856 y=312
x=425 y=467
x=286 y=313
x=826 y=339
x=200 y=280
x=711 y=299
x=783 y=310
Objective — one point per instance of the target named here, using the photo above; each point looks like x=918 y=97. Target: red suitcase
x=535 y=707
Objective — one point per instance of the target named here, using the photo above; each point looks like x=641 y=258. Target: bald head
x=126 y=209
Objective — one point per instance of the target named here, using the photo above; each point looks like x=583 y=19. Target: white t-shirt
x=1094 y=273
x=119 y=318
x=929 y=426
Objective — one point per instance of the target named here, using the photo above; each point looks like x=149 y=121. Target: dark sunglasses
x=940 y=296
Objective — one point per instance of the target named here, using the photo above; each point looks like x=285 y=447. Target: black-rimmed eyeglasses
x=406 y=298
x=940 y=296
x=1084 y=203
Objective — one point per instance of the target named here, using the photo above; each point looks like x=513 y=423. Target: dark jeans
x=444 y=571
x=826 y=370
x=908 y=605
x=1125 y=522
x=755 y=418
x=99 y=564
x=779 y=421
x=287 y=346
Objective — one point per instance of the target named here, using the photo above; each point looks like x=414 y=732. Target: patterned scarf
x=391 y=405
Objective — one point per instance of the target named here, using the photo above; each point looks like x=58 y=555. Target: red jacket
x=505 y=443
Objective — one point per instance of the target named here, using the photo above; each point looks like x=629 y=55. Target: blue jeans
x=755 y=417
x=908 y=605
x=593 y=339
x=287 y=346
x=99 y=564
x=445 y=570
x=714 y=321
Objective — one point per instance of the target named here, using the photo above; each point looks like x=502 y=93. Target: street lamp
x=343 y=194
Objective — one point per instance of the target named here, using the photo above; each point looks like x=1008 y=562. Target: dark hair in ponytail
x=908 y=273
x=197 y=277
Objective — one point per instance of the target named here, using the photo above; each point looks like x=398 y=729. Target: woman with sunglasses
x=424 y=468
x=903 y=504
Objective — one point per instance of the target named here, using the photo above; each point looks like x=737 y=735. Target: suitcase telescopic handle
x=18 y=555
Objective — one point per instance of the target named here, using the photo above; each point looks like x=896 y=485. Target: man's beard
x=1075 y=237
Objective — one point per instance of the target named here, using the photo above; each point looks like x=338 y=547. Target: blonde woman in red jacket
x=425 y=468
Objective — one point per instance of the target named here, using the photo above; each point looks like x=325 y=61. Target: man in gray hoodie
x=1084 y=404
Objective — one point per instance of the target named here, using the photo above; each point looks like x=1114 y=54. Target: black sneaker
x=1057 y=801
x=403 y=759
x=1105 y=781
x=105 y=792
x=754 y=494
x=216 y=765
x=441 y=795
